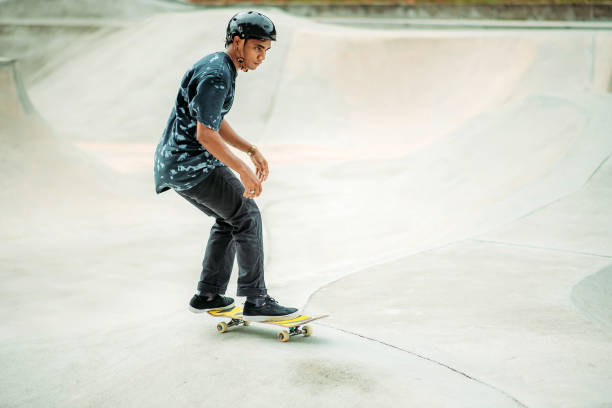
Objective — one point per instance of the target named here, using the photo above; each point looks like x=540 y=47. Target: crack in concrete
x=542 y=207
x=598 y=167
x=514 y=244
x=457 y=371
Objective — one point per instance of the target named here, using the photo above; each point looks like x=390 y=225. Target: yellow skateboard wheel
x=246 y=323
x=222 y=327
x=283 y=336
x=307 y=331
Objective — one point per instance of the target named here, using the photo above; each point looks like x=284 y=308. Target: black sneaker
x=270 y=310
x=199 y=304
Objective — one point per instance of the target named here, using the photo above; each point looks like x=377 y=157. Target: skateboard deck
x=295 y=325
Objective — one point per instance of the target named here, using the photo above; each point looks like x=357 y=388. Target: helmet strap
x=240 y=58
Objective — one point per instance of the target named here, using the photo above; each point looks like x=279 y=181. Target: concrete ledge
x=63 y=22
x=571 y=12
x=464 y=23
x=559 y=12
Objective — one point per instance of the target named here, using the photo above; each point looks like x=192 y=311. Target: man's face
x=255 y=52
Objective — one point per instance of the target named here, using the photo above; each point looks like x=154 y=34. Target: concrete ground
x=445 y=195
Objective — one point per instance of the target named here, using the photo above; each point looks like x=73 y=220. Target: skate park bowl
x=444 y=194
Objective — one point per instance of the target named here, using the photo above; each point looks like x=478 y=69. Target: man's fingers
x=262 y=173
x=253 y=191
x=264 y=169
x=261 y=164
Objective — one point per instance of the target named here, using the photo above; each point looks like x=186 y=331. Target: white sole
x=194 y=310
x=270 y=318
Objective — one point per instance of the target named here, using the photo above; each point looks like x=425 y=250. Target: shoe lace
x=270 y=299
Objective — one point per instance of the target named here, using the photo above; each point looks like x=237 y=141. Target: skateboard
x=296 y=325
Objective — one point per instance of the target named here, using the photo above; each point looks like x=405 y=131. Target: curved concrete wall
x=559 y=12
x=593 y=296
x=453 y=185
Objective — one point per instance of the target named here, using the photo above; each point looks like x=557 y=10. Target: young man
x=192 y=158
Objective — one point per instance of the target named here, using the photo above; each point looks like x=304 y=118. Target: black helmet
x=250 y=24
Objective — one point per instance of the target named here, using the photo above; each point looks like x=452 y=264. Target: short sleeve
x=207 y=103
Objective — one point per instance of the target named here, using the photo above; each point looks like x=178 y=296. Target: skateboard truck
x=282 y=335
x=285 y=335
x=296 y=325
x=222 y=327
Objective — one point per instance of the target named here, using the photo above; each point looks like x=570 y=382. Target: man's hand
x=251 y=183
x=261 y=166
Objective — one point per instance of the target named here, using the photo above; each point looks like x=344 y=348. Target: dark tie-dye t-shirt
x=205 y=96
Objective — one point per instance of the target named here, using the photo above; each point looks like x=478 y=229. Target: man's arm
x=213 y=142
x=231 y=137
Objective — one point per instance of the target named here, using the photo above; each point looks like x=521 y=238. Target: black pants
x=237 y=231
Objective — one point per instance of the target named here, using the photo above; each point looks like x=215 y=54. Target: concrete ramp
x=375 y=93
x=14 y=100
x=429 y=137
x=444 y=195
x=593 y=295
x=391 y=91
x=47 y=182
